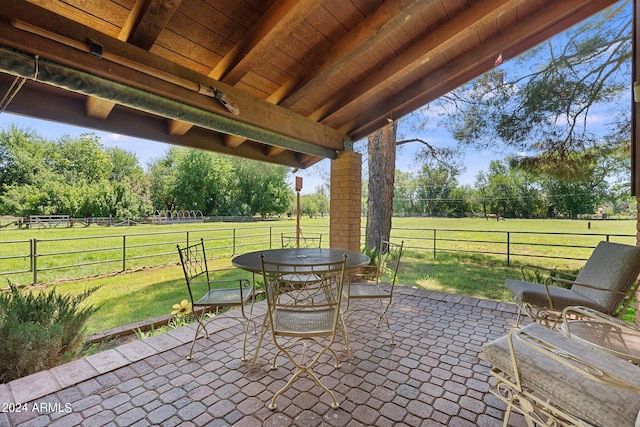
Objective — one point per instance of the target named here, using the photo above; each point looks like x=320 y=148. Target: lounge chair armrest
x=584 y=285
x=551 y=271
x=565 y=358
x=573 y=312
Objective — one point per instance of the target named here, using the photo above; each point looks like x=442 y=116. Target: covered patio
x=434 y=375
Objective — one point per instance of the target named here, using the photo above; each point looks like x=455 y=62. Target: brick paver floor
x=434 y=375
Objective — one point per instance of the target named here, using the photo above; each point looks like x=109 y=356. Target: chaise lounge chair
x=606 y=284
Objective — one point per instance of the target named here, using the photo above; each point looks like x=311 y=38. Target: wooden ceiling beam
x=521 y=37
x=178 y=127
x=274 y=25
x=38 y=100
x=308 y=160
x=143 y=27
x=415 y=56
x=156 y=76
x=384 y=21
x=152 y=21
x=233 y=141
x=100 y=108
x=273 y=150
x=132 y=20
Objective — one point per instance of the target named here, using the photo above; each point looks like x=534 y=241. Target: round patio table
x=300 y=257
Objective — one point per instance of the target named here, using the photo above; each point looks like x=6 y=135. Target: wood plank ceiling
x=287 y=81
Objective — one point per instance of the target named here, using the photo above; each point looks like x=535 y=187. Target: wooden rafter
x=381 y=24
x=414 y=57
x=481 y=59
x=153 y=20
x=101 y=108
x=143 y=28
x=277 y=22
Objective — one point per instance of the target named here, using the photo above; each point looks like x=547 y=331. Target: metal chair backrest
x=194 y=264
x=292 y=241
x=303 y=287
x=389 y=255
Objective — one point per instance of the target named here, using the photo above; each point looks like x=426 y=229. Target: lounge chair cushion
x=585 y=398
x=536 y=294
x=610 y=272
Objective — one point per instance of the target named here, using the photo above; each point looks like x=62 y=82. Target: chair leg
x=195 y=337
x=244 y=344
x=313 y=376
x=306 y=370
x=386 y=319
x=384 y=316
x=263 y=330
x=518 y=318
x=295 y=375
x=345 y=336
x=247 y=321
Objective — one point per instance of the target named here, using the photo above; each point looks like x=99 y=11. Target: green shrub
x=40 y=330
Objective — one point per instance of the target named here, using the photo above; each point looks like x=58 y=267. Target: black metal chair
x=206 y=294
x=308 y=241
x=376 y=281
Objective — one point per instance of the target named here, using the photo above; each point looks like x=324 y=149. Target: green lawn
x=151 y=292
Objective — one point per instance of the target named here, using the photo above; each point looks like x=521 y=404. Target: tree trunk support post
x=345 y=208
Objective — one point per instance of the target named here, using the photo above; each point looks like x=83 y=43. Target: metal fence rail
x=44 y=260
x=508 y=244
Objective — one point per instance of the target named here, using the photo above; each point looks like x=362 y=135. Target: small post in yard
x=298 y=188
x=34 y=260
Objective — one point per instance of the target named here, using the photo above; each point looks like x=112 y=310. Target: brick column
x=345 y=209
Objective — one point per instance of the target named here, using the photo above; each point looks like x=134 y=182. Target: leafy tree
x=322 y=199
x=202 y=181
x=508 y=192
x=218 y=185
x=21 y=156
x=79 y=159
x=124 y=164
x=542 y=104
x=262 y=188
x=404 y=194
x=434 y=187
x=74 y=176
x=308 y=205
x=314 y=204
x=572 y=198
x=579 y=196
x=162 y=173
x=460 y=204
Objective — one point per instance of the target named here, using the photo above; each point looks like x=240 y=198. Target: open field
x=458 y=266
